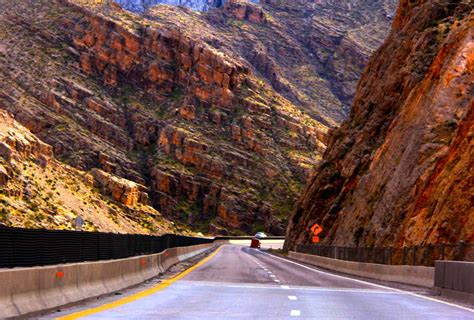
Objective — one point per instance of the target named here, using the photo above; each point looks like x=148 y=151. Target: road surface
x=243 y=283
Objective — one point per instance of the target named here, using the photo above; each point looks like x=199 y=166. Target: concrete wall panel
x=414 y=275
x=455 y=276
x=29 y=290
x=439 y=273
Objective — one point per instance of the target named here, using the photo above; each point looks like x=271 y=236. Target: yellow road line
x=138 y=295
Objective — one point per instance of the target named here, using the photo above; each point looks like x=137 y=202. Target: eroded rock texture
x=37 y=191
x=145 y=101
x=399 y=170
x=218 y=117
x=311 y=52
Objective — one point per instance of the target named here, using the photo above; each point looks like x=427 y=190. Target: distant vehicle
x=260 y=235
x=255 y=243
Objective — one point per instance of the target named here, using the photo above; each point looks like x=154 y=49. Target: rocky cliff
x=311 y=52
x=207 y=117
x=37 y=191
x=399 y=170
x=138 y=99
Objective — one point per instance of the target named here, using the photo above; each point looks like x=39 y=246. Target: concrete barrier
x=25 y=291
x=455 y=279
x=414 y=275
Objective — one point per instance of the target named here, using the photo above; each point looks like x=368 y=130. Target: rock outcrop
x=158 y=58
x=211 y=112
x=399 y=170
x=122 y=190
x=141 y=101
x=244 y=10
x=17 y=145
x=37 y=191
x=311 y=52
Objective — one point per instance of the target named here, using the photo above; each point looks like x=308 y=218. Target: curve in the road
x=238 y=282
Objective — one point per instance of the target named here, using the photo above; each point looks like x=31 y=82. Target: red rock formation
x=17 y=145
x=186 y=111
x=159 y=57
x=399 y=170
x=243 y=10
x=38 y=191
x=122 y=190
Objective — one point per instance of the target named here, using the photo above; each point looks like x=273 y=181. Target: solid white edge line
x=292 y=298
x=373 y=284
x=285 y=287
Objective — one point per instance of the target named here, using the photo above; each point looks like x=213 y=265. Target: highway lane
x=244 y=283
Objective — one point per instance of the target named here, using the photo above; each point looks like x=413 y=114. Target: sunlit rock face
x=398 y=171
x=218 y=116
x=198 y=5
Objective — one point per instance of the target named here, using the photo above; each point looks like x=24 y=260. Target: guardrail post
x=11 y=242
x=81 y=246
x=461 y=251
x=427 y=255
x=414 y=255
x=98 y=246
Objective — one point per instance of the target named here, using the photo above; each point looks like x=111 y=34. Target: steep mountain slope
x=143 y=101
x=399 y=170
x=37 y=191
x=211 y=114
x=311 y=52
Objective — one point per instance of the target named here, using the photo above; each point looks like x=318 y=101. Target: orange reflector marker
x=59 y=274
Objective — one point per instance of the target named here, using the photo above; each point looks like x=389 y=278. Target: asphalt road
x=244 y=283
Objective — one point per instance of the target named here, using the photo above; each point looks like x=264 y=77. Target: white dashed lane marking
x=295 y=313
x=270 y=274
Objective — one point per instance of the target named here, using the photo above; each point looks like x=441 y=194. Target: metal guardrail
x=248 y=238
x=38 y=247
x=417 y=255
x=35 y=247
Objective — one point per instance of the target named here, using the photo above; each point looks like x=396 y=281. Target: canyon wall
x=311 y=52
x=157 y=115
x=214 y=119
x=38 y=191
x=399 y=170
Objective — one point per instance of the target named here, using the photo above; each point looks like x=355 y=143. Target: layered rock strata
x=151 y=103
x=37 y=191
x=399 y=170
